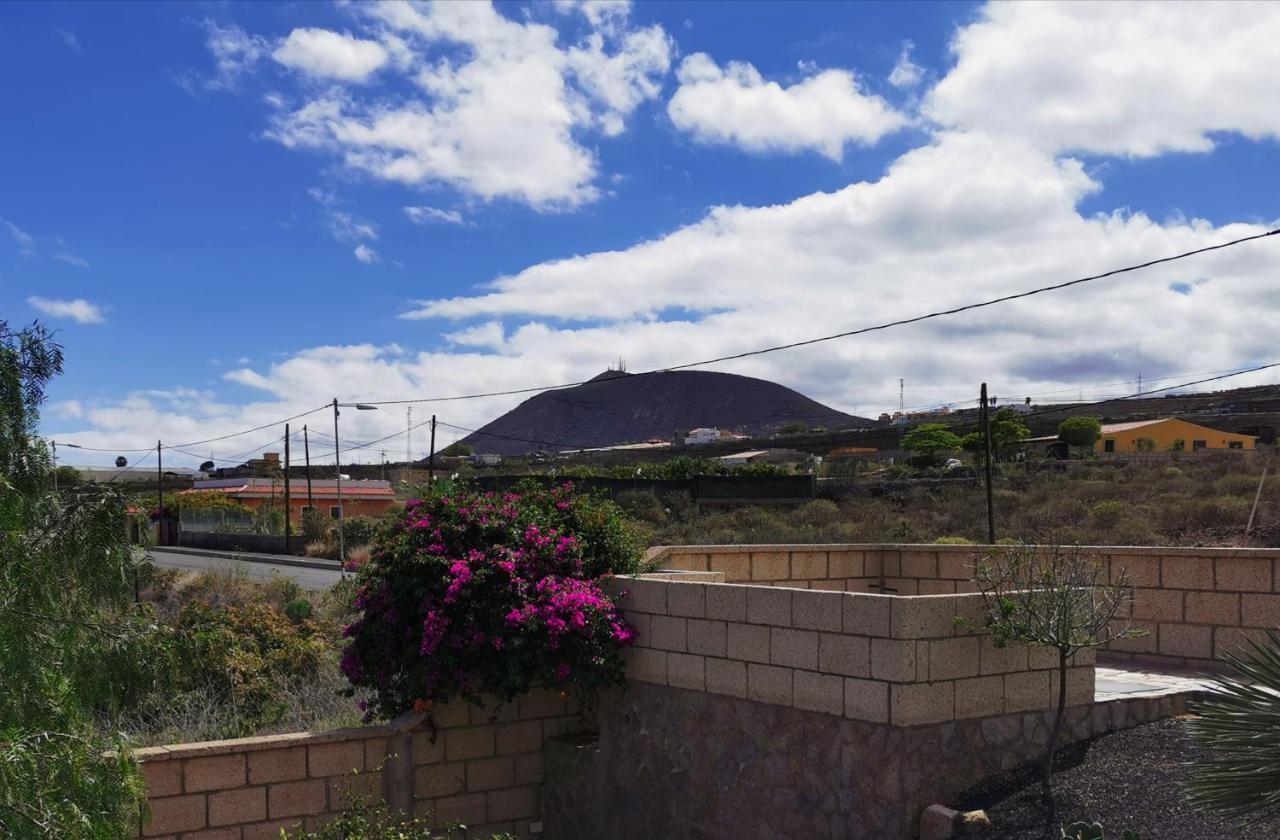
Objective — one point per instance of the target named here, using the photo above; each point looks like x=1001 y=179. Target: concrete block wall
x=1192 y=604
x=867 y=657
x=479 y=766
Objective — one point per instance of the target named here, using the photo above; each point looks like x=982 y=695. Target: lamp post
x=337 y=458
x=55 y=458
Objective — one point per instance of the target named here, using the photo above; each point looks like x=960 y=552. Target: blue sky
x=208 y=201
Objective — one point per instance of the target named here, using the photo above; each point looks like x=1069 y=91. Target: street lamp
x=337 y=458
x=55 y=460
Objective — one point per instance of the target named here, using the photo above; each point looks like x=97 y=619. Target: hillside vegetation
x=1191 y=502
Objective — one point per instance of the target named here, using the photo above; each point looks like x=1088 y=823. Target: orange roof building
x=359 y=498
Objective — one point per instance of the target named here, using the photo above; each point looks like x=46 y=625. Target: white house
x=701 y=436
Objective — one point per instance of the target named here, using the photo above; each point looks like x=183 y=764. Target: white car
x=952 y=463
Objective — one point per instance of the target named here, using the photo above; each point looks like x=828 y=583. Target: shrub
x=317 y=548
x=247 y=656
x=952 y=541
x=357 y=557
x=298 y=610
x=1107 y=514
x=1237 y=485
x=359 y=530
x=363 y=820
x=1238 y=774
x=471 y=595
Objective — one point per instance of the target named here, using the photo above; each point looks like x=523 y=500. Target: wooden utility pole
x=288 y=511
x=986 y=446
x=306 y=451
x=160 y=492
x=431 y=458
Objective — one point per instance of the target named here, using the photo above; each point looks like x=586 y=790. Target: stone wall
x=1192 y=603
x=482 y=767
x=673 y=762
x=866 y=657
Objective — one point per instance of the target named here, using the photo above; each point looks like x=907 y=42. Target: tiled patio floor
x=1118 y=679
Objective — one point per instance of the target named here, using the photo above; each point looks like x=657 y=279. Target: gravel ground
x=1130 y=779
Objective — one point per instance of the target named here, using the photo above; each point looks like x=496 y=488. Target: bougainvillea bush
x=484 y=596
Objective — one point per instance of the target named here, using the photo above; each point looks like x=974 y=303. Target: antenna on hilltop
x=622 y=365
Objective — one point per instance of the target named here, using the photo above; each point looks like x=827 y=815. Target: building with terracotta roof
x=359 y=498
x=1167 y=434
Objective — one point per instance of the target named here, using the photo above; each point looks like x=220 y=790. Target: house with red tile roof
x=359 y=498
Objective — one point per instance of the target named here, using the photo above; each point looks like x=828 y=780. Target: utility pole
x=306 y=451
x=1248 y=529
x=288 y=511
x=383 y=453
x=431 y=458
x=337 y=471
x=986 y=445
x=160 y=493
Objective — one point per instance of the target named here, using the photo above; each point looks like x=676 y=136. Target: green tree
x=1007 y=431
x=930 y=439
x=793 y=427
x=68 y=629
x=458 y=448
x=1079 y=431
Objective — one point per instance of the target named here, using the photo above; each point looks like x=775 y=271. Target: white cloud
x=365 y=254
x=976 y=212
x=491 y=335
x=26 y=242
x=348 y=228
x=906 y=73
x=72 y=259
x=68 y=409
x=69 y=38
x=600 y=13
x=428 y=215
x=734 y=105
x=1135 y=79
x=235 y=54
x=501 y=105
x=331 y=55
x=78 y=310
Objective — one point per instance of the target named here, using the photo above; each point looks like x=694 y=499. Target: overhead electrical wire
x=860 y=331
x=760 y=351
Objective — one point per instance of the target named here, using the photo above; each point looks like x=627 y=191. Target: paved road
x=306 y=578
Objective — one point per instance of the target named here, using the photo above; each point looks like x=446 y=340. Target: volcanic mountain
x=617 y=408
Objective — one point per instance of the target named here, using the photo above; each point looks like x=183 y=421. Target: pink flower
x=563 y=671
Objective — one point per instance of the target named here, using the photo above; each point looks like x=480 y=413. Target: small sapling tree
x=1058 y=597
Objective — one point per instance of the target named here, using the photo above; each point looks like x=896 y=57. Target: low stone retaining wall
x=482 y=767
x=1192 y=603
x=672 y=762
x=869 y=657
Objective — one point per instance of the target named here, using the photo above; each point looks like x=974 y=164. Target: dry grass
x=1205 y=501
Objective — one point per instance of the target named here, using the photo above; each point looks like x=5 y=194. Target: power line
x=758 y=352
x=1084 y=407
x=860 y=331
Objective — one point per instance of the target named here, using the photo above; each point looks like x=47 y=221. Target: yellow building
x=1165 y=435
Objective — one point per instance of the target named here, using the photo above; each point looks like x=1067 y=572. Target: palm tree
x=1238 y=730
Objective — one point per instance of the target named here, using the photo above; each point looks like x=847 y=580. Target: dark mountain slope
x=616 y=408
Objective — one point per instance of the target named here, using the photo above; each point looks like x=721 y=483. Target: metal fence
x=216 y=520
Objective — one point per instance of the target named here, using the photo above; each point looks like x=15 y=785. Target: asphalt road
x=306 y=578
